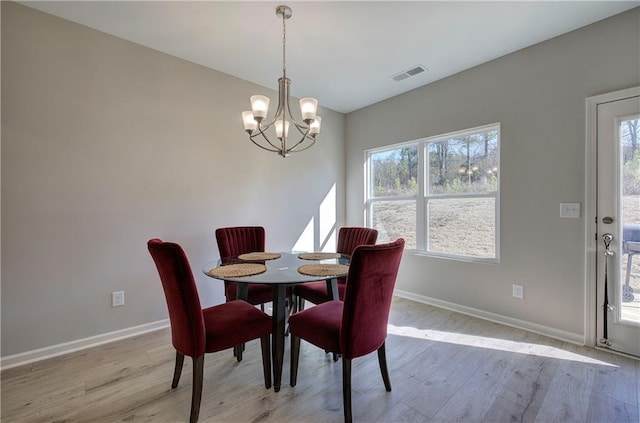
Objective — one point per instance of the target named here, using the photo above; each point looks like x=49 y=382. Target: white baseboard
x=574 y=338
x=80 y=344
x=27 y=357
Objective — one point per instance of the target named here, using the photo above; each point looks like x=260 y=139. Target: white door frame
x=591 y=161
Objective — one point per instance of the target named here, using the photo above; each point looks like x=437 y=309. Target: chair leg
x=295 y=356
x=292 y=305
x=346 y=389
x=237 y=352
x=196 y=390
x=300 y=304
x=265 y=343
x=178 y=370
x=382 y=359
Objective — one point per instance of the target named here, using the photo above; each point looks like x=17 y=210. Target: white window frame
x=422 y=197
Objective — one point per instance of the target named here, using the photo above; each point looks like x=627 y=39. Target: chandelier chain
x=284 y=43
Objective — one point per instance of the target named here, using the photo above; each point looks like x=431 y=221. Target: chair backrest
x=181 y=293
x=367 y=300
x=350 y=237
x=237 y=240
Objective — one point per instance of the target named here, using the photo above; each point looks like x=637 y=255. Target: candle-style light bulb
x=250 y=123
x=259 y=106
x=314 y=127
x=278 y=125
x=308 y=108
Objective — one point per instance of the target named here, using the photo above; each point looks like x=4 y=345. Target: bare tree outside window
x=395 y=185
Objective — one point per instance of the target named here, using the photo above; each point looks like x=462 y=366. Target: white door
x=618 y=223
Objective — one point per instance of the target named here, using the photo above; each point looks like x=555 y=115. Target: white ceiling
x=343 y=53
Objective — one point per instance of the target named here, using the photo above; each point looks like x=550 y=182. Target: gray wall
x=106 y=144
x=538 y=95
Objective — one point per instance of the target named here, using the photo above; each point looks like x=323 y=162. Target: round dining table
x=280 y=270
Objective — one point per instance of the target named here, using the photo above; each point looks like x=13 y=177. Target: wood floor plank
x=527 y=384
x=504 y=411
x=567 y=398
x=617 y=379
x=444 y=367
x=477 y=395
x=429 y=397
x=603 y=409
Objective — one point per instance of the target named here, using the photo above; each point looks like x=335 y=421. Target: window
x=441 y=194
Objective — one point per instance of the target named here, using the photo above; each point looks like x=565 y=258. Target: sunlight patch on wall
x=305 y=240
x=327 y=221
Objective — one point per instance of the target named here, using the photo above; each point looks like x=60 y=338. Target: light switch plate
x=571 y=210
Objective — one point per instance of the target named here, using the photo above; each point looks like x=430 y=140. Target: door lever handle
x=607 y=238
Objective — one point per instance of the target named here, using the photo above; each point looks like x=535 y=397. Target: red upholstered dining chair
x=232 y=242
x=348 y=239
x=358 y=325
x=196 y=331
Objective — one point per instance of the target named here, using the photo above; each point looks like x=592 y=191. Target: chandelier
x=256 y=123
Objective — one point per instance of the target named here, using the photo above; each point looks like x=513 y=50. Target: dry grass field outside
x=463 y=226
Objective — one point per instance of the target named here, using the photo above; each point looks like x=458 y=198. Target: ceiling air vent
x=418 y=69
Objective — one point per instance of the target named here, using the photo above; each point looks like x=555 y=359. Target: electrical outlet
x=117 y=299
x=518 y=291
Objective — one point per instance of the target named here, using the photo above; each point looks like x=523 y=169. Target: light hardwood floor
x=444 y=367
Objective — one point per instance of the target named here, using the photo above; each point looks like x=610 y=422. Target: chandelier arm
x=266 y=127
x=293 y=119
x=295 y=122
x=303 y=131
x=313 y=141
x=283 y=99
x=272 y=121
x=304 y=137
x=282 y=88
x=283 y=96
x=261 y=132
x=263 y=147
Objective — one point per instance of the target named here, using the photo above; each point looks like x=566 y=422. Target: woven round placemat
x=258 y=256
x=318 y=256
x=323 y=269
x=237 y=270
